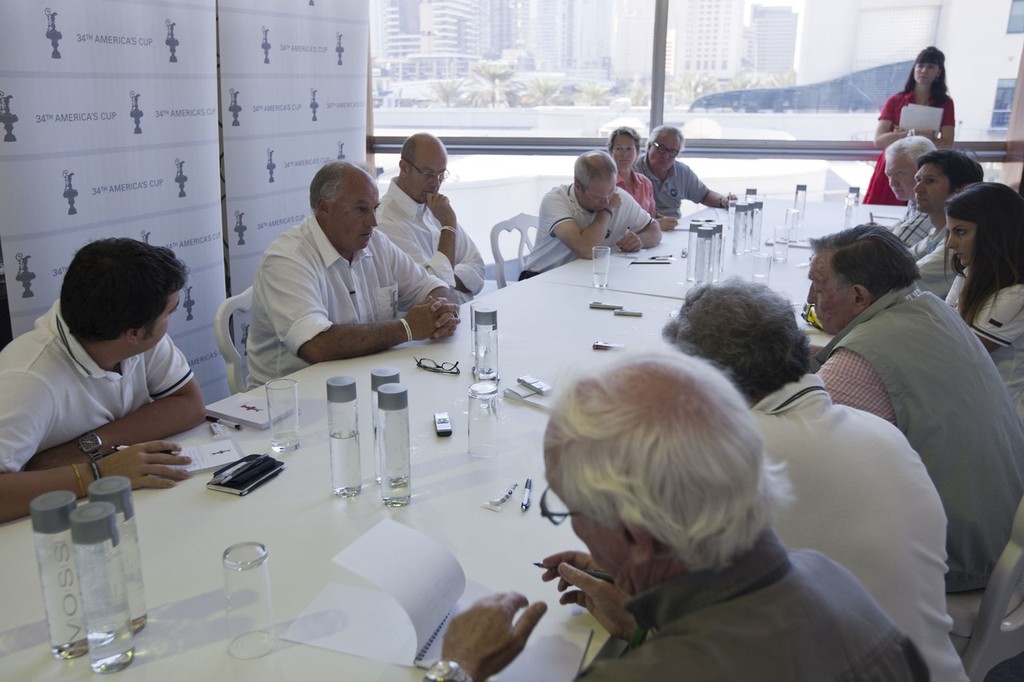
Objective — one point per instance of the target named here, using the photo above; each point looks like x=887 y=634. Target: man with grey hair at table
x=906 y=356
x=900 y=167
x=660 y=467
x=673 y=180
x=863 y=497
x=333 y=287
x=589 y=212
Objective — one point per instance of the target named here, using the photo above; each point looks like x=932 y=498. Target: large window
x=519 y=87
x=1004 y=100
x=1016 y=24
x=578 y=68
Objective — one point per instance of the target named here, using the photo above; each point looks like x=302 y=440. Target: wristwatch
x=90 y=444
x=446 y=671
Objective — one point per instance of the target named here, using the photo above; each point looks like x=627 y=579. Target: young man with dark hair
x=98 y=372
x=940 y=174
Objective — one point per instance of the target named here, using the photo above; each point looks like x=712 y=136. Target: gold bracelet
x=81 y=487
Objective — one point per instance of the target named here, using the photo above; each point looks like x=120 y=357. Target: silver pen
x=225 y=476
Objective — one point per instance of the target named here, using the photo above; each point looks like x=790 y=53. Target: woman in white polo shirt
x=986 y=238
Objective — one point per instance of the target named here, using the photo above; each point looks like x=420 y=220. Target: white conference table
x=543 y=329
x=546 y=329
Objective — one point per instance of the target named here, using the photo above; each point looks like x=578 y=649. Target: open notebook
x=423 y=588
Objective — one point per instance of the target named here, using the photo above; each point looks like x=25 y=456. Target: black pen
x=526 y=493
x=224 y=422
x=592 y=572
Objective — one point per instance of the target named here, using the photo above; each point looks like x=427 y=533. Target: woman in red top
x=926 y=85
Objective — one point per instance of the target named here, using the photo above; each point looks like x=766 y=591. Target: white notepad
x=212 y=455
x=921 y=117
x=242 y=408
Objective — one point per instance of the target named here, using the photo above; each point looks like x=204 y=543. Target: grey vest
x=957 y=413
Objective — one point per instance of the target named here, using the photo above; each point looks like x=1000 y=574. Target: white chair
x=521 y=223
x=987 y=624
x=240 y=303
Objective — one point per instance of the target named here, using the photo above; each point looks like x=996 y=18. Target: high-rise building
x=429 y=39
x=773 y=40
x=708 y=36
x=631 y=54
x=549 y=35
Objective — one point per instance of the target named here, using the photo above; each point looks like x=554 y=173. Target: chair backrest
x=998 y=632
x=240 y=303
x=521 y=223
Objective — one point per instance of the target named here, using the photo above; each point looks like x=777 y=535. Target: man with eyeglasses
x=333 y=287
x=421 y=221
x=591 y=211
x=660 y=467
x=673 y=180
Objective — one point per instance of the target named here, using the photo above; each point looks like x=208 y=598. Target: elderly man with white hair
x=900 y=167
x=659 y=465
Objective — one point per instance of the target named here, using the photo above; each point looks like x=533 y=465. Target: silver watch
x=446 y=671
x=90 y=444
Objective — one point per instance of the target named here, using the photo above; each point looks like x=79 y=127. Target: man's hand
x=483 y=639
x=667 y=224
x=439 y=205
x=433 y=318
x=601 y=598
x=148 y=465
x=630 y=242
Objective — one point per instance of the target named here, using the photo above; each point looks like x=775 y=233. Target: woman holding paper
x=986 y=238
x=926 y=87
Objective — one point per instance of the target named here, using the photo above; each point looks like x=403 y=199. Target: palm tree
x=592 y=94
x=639 y=93
x=448 y=93
x=495 y=84
x=691 y=86
x=744 y=82
x=543 y=92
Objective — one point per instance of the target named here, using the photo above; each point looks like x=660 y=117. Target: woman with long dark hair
x=986 y=237
x=926 y=85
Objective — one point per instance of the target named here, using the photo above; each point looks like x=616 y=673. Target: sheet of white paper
x=212 y=455
x=921 y=117
x=356 y=621
x=370 y=624
x=384 y=555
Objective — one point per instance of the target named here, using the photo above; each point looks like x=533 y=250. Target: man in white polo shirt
x=589 y=212
x=97 y=372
